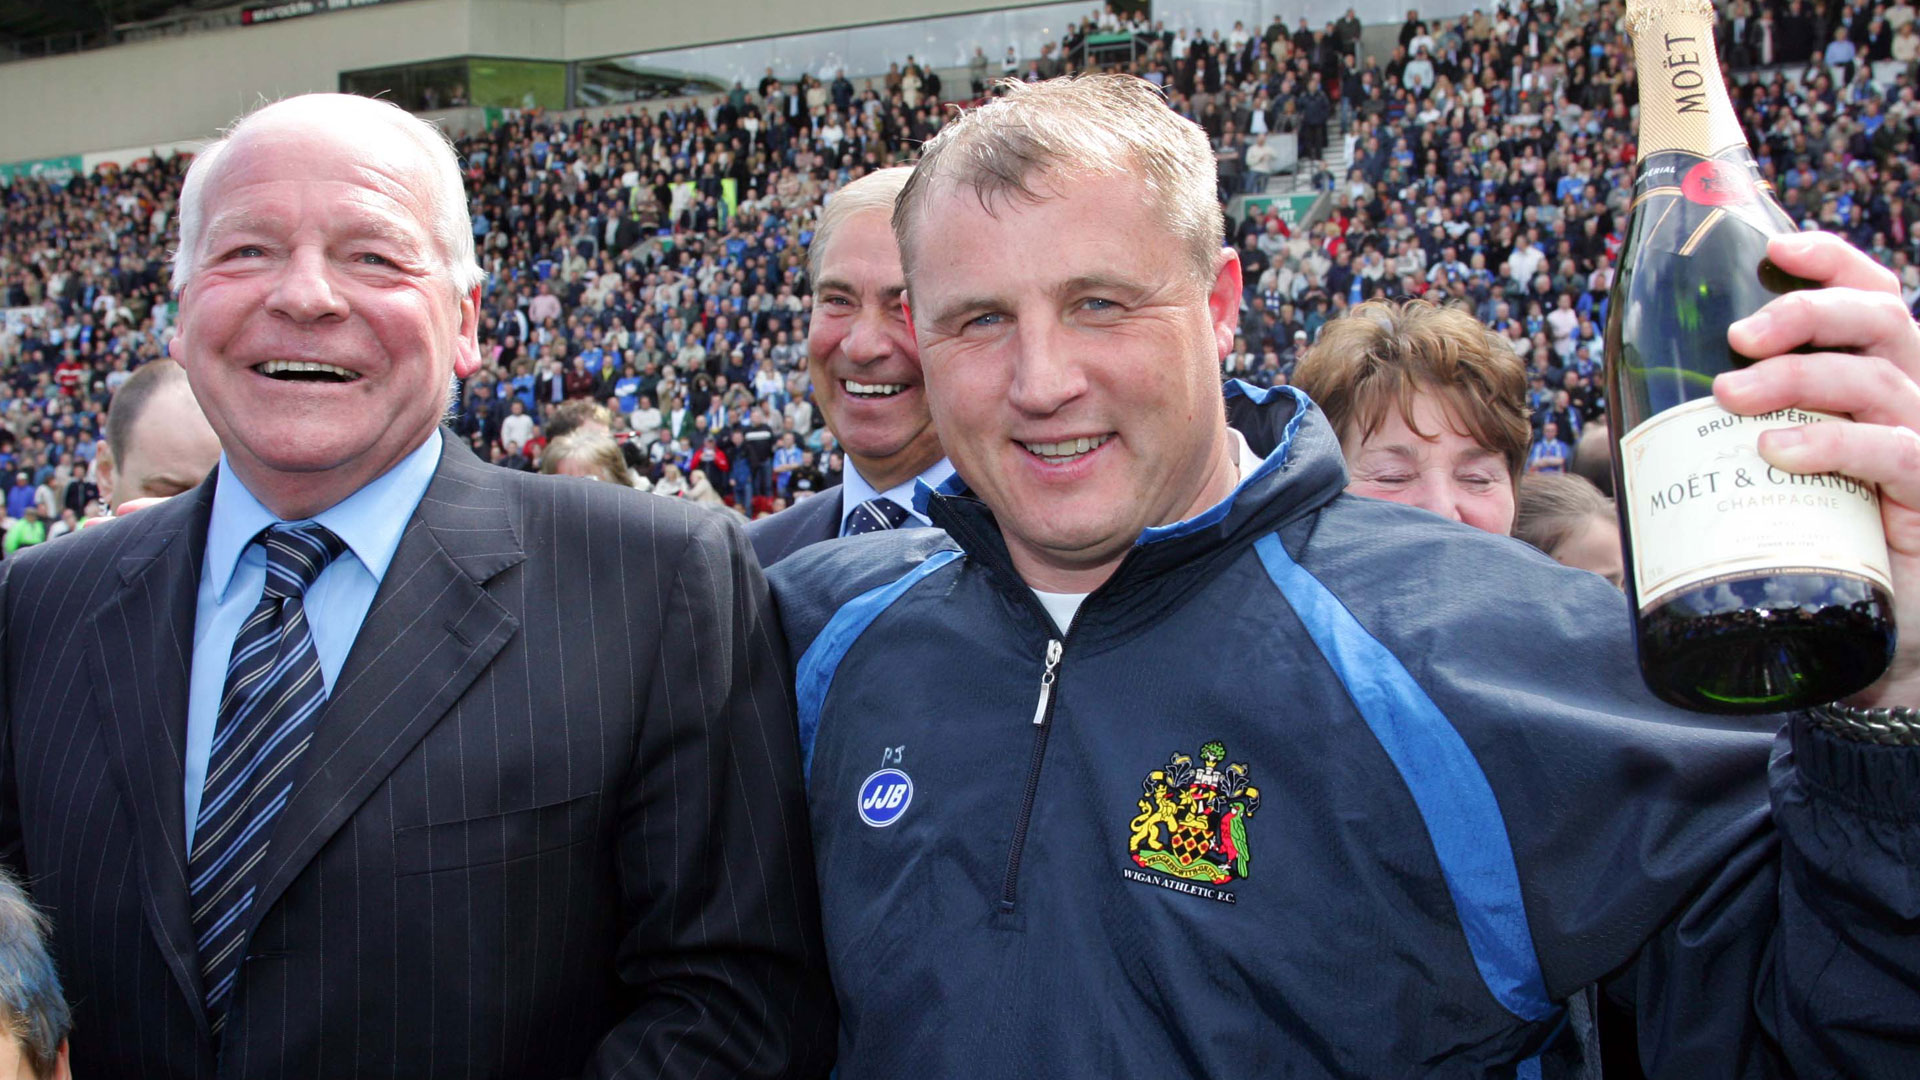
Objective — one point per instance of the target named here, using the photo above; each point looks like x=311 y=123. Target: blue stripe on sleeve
x=814 y=677
x=1455 y=801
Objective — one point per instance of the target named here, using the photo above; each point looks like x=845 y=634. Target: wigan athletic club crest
x=1191 y=832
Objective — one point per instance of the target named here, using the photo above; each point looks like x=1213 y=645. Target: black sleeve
x=1748 y=886
x=1800 y=951
x=722 y=946
x=12 y=843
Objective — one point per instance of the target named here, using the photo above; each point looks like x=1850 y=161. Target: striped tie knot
x=295 y=556
x=875 y=515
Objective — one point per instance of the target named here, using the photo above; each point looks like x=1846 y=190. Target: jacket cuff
x=1882 y=781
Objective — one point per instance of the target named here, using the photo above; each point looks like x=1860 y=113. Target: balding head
x=158 y=442
x=366 y=119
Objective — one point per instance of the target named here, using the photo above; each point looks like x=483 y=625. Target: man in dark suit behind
x=866 y=378
x=365 y=757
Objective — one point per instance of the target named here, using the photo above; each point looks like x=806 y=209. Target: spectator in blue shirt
x=20 y=495
x=1549 y=454
x=1840 y=55
x=523 y=383
x=740 y=474
x=627 y=390
x=787 y=457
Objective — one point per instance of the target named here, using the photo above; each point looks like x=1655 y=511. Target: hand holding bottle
x=1872 y=374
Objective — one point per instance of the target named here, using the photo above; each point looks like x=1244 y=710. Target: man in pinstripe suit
x=366 y=757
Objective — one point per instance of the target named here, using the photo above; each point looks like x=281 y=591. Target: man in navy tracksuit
x=1163 y=757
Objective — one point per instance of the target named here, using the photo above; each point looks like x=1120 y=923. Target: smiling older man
x=365 y=757
x=1168 y=758
x=865 y=370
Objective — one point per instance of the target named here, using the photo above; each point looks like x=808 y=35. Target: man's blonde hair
x=877 y=191
x=1086 y=125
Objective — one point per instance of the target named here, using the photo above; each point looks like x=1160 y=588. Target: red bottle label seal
x=1717 y=183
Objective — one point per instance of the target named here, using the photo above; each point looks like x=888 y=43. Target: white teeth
x=275 y=367
x=1059 y=453
x=873 y=390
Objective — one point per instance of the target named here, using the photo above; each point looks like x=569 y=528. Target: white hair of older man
x=877 y=190
x=450 y=224
x=1085 y=125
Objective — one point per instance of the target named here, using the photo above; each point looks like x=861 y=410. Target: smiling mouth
x=306 y=371
x=1067 y=451
x=872 y=391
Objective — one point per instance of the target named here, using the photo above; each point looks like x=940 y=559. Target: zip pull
x=1046 y=681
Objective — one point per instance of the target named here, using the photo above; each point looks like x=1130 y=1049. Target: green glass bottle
x=1754 y=590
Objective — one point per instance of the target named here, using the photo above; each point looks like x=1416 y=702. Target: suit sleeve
x=722 y=945
x=12 y=842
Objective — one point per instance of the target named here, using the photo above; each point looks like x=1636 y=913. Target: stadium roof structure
x=44 y=27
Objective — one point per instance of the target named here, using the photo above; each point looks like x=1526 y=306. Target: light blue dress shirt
x=855 y=490
x=233 y=575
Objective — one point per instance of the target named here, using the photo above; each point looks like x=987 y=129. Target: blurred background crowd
x=647 y=263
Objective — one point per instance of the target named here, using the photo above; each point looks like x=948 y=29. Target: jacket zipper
x=1042 y=715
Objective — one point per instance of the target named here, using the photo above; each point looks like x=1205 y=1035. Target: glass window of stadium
x=1255 y=14
x=862 y=51
x=464 y=81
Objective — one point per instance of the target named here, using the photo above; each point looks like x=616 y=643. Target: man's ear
x=107 y=469
x=1223 y=301
x=466 y=354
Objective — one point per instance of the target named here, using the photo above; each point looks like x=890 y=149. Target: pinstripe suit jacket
x=550 y=824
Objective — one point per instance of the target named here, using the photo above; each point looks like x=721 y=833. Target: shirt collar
x=857 y=490
x=370 y=520
x=1243 y=455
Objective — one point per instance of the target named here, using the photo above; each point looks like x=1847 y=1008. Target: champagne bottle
x=1754 y=590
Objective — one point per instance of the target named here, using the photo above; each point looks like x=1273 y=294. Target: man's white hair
x=1088 y=125
x=446 y=189
x=878 y=190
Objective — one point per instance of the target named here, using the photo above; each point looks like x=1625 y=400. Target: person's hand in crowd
x=131 y=505
x=123 y=510
x=1866 y=365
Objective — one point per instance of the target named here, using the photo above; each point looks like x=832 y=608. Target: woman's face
x=1447 y=472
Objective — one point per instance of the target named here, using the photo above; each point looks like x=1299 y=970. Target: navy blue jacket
x=1322 y=786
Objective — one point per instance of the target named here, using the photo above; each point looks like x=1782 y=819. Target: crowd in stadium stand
x=652 y=261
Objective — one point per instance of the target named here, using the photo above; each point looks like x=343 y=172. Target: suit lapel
x=431 y=631
x=823 y=525
x=140 y=648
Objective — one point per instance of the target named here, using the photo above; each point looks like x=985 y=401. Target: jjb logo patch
x=1191 y=831
x=885 y=795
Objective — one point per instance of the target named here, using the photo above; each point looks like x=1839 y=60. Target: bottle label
x=1703 y=506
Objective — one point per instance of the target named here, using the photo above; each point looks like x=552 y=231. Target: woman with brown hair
x=1430 y=407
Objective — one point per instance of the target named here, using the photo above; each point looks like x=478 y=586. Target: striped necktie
x=273 y=690
x=873 y=515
